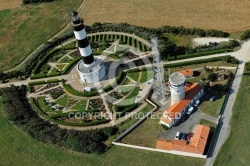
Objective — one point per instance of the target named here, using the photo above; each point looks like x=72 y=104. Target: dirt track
x=225 y=15
x=10 y=4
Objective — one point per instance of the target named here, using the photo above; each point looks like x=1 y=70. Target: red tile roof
x=187 y=72
x=196 y=144
x=175 y=109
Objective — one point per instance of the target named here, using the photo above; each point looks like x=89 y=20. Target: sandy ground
x=206 y=40
x=231 y=16
x=10 y=4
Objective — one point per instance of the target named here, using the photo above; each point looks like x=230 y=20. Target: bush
x=245 y=35
x=247 y=66
x=54 y=73
x=37 y=83
x=37 y=76
x=195 y=62
x=133 y=70
x=185 y=56
x=89 y=141
x=53 y=81
x=44 y=60
x=65 y=70
x=117 y=81
x=122 y=110
x=72 y=91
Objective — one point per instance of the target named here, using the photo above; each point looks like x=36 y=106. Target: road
x=243 y=56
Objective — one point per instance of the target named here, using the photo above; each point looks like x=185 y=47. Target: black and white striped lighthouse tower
x=91 y=69
x=82 y=40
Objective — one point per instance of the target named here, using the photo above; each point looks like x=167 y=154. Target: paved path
x=244 y=56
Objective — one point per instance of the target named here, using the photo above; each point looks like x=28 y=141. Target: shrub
x=214 y=59
x=72 y=91
x=122 y=110
x=185 y=56
x=37 y=83
x=53 y=81
x=37 y=76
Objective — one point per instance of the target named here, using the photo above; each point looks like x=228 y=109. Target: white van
x=190 y=110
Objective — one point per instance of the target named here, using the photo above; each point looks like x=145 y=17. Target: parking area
x=186 y=125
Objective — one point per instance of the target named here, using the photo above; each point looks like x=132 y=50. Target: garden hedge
x=198 y=54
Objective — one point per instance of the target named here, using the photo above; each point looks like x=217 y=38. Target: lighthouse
x=91 y=69
x=177 y=83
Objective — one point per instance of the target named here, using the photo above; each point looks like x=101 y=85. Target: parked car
x=212 y=98
x=183 y=136
x=190 y=110
x=196 y=103
x=177 y=136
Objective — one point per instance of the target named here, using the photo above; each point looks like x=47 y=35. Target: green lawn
x=42 y=104
x=130 y=99
x=65 y=60
x=146 y=75
x=63 y=100
x=147 y=133
x=80 y=106
x=18 y=148
x=180 y=40
x=236 y=149
x=212 y=108
x=206 y=122
x=24 y=29
x=133 y=75
x=124 y=90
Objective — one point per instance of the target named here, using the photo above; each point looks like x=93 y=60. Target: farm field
x=25 y=27
x=229 y=16
x=235 y=151
x=23 y=150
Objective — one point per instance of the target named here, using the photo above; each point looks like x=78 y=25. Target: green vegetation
x=80 y=106
x=124 y=90
x=235 y=151
x=180 y=40
x=130 y=99
x=198 y=54
x=245 y=35
x=196 y=61
x=208 y=123
x=140 y=137
x=63 y=100
x=146 y=75
x=212 y=108
x=69 y=89
x=36 y=152
x=134 y=75
x=34 y=25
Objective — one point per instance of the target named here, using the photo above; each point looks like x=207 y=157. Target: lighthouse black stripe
x=88 y=59
x=78 y=27
x=83 y=43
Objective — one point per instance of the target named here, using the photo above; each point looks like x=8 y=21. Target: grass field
x=146 y=134
x=18 y=148
x=214 y=14
x=63 y=100
x=80 y=105
x=236 y=149
x=180 y=40
x=146 y=75
x=212 y=108
x=133 y=75
x=24 y=28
